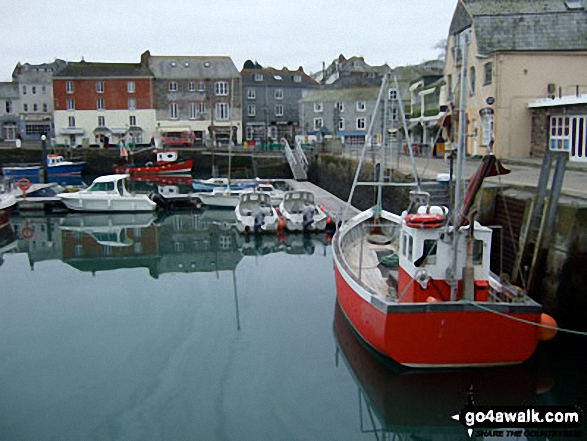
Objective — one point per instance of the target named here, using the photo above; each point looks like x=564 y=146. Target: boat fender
x=546 y=334
x=27 y=233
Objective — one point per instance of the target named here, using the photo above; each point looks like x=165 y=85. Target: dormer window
x=258 y=77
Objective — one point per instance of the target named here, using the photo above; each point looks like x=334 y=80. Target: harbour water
x=175 y=327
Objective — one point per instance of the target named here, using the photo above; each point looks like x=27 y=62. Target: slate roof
x=341 y=95
x=358 y=64
x=85 y=69
x=193 y=67
x=271 y=77
x=522 y=25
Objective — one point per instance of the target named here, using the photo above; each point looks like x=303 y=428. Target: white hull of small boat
x=300 y=213
x=107 y=194
x=255 y=214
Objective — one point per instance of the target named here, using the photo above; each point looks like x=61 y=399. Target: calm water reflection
x=146 y=327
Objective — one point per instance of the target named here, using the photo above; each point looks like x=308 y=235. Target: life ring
x=27 y=233
x=24 y=184
x=425 y=220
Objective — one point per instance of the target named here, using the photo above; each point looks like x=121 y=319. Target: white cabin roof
x=111 y=178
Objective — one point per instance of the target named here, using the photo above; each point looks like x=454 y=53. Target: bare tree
x=440 y=47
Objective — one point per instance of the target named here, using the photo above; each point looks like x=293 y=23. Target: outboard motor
x=308 y=217
x=259 y=221
x=159 y=200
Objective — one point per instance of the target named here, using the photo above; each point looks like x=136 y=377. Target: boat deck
x=364 y=260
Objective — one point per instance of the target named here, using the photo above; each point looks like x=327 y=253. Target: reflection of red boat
x=421 y=403
x=175 y=179
x=166 y=163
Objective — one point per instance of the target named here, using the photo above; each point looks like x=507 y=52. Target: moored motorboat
x=255 y=214
x=221 y=197
x=166 y=163
x=213 y=183
x=275 y=195
x=300 y=212
x=56 y=166
x=107 y=194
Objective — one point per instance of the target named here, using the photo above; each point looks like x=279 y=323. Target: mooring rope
x=555 y=328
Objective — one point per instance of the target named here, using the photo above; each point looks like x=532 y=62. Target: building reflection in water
x=169 y=242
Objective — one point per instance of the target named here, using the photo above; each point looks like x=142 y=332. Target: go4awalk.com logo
x=510 y=421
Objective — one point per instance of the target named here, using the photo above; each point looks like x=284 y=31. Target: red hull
x=174 y=167
x=442 y=334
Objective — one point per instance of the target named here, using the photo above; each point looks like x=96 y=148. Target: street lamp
x=44 y=148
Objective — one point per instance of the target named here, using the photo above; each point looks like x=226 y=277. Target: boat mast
x=230 y=110
x=382 y=155
x=463 y=42
x=368 y=142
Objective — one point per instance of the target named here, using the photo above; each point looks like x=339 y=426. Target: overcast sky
x=275 y=33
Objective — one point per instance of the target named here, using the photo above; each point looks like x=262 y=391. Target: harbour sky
x=274 y=33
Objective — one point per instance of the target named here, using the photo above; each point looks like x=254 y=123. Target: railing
x=295 y=161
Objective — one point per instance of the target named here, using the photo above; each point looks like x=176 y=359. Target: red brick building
x=104 y=102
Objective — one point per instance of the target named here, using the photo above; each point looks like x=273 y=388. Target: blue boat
x=56 y=166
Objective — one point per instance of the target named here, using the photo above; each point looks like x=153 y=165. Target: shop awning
x=174 y=129
x=101 y=131
x=72 y=131
x=118 y=130
x=135 y=130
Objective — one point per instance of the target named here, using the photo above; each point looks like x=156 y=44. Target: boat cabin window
x=120 y=187
x=410 y=247
x=478 y=252
x=407 y=246
x=429 y=251
x=102 y=186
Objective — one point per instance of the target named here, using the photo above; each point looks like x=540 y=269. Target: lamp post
x=44 y=162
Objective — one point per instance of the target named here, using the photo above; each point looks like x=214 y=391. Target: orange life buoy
x=27 y=233
x=425 y=220
x=24 y=184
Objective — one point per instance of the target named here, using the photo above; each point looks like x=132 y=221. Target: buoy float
x=426 y=220
x=546 y=334
x=27 y=233
x=23 y=184
x=281 y=224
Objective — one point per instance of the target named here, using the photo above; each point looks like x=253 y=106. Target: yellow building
x=518 y=51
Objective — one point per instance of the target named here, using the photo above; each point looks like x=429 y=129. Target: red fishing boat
x=417 y=287
x=166 y=163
